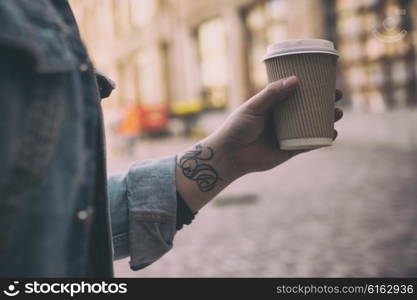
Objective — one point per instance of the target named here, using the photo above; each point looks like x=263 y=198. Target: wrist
x=204 y=170
x=224 y=157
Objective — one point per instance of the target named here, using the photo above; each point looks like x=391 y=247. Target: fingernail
x=339 y=113
x=290 y=81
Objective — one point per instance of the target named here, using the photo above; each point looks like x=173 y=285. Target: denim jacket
x=59 y=214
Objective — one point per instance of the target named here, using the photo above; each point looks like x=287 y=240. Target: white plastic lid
x=300 y=46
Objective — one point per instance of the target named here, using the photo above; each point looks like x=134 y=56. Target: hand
x=245 y=143
x=249 y=135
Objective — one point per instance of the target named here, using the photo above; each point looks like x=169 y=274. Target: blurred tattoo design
x=194 y=166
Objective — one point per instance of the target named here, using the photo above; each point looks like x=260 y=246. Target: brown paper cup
x=306 y=119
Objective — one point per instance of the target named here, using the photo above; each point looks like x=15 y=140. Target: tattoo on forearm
x=194 y=166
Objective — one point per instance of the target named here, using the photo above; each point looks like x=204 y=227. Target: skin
x=245 y=143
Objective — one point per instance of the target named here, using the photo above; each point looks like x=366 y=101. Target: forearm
x=203 y=171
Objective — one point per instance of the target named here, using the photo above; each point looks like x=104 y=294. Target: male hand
x=245 y=143
x=249 y=133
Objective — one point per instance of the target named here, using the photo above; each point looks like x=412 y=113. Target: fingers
x=338 y=114
x=293 y=153
x=273 y=93
x=339 y=95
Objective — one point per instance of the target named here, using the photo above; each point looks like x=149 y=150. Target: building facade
x=377 y=45
x=191 y=55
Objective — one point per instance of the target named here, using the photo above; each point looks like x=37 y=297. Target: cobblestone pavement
x=346 y=210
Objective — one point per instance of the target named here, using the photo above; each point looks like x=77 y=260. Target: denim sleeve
x=143 y=206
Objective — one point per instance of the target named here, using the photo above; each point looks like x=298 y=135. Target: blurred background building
x=184 y=57
x=182 y=65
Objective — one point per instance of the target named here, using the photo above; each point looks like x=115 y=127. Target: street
x=345 y=210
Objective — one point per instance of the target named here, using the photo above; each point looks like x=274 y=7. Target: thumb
x=274 y=92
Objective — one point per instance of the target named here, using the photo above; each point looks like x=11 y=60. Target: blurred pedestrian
x=129 y=128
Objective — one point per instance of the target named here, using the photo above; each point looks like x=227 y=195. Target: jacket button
x=83 y=67
x=82 y=215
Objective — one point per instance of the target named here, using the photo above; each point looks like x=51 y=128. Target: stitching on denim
x=120 y=238
x=151 y=216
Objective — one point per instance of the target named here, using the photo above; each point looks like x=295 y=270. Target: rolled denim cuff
x=143 y=210
x=152 y=205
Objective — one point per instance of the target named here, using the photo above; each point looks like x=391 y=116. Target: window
x=213 y=64
x=265 y=24
x=122 y=16
x=142 y=12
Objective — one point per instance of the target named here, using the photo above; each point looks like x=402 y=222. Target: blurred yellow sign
x=186 y=107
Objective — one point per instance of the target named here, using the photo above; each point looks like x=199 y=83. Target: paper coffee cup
x=306 y=119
